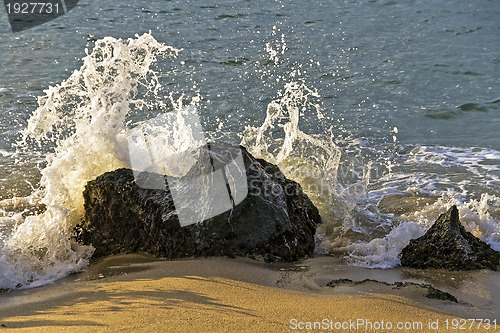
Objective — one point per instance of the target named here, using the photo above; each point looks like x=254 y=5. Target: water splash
x=85 y=117
x=277 y=49
x=311 y=160
x=374 y=200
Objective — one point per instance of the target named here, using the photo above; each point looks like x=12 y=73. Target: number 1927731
x=470 y=324
x=33 y=8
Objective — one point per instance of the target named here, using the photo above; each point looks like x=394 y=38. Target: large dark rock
x=276 y=220
x=448 y=245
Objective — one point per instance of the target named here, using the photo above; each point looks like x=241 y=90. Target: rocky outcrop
x=275 y=221
x=449 y=246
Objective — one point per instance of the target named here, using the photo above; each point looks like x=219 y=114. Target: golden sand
x=152 y=301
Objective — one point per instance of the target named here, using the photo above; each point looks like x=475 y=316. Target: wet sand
x=140 y=293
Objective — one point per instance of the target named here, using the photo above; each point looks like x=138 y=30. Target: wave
x=84 y=117
x=373 y=197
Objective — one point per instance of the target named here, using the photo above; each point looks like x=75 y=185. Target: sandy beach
x=140 y=293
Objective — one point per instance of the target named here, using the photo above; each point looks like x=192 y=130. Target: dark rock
x=448 y=245
x=439 y=294
x=340 y=281
x=431 y=291
x=276 y=220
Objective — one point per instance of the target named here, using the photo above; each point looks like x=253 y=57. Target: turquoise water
x=406 y=102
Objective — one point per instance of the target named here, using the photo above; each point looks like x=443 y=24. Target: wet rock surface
x=275 y=221
x=447 y=245
x=431 y=291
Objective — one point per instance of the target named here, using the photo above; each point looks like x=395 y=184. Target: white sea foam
x=85 y=116
x=384 y=252
x=6 y=153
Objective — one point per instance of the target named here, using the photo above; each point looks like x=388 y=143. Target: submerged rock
x=448 y=245
x=276 y=220
x=431 y=291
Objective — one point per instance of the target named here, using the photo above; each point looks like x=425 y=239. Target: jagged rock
x=448 y=245
x=276 y=220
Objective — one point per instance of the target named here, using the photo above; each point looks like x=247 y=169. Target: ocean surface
x=386 y=112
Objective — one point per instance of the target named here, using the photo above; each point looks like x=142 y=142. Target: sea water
x=386 y=113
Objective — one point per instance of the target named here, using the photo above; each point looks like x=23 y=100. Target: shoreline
x=139 y=292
